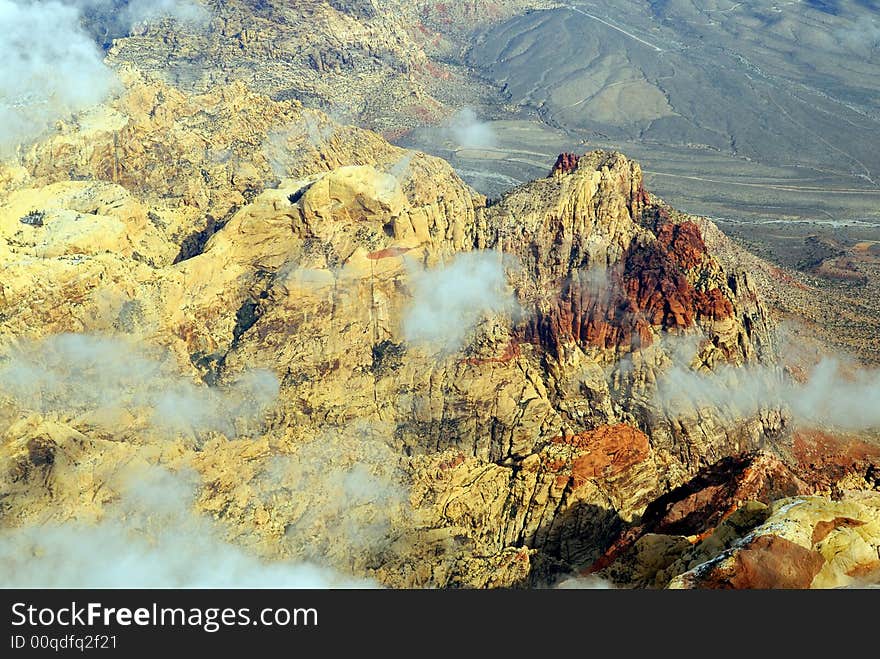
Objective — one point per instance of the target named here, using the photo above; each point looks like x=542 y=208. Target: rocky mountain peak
x=295 y=295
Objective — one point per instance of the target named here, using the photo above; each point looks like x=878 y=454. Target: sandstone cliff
x=223 y=284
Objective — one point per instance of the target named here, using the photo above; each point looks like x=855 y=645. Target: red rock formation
x=452 y=463
x=869 y=573
x=824 y=458
x=683 y=242
x=512 y=351
x=605 y=318
x=822 y=529
x=712 y=304
x=658 y=288
x=596 y=454
x=650 y=289
x=607 y=450
x=565 y=164
x=697 y=507
x=388 y=253
x=768 y=561
x=706 y=500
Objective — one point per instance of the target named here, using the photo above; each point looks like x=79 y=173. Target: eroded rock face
x=750 y=522
x=356 y=8
x=696 y=507
x=611 y=271
x=766 y=562
x=648 y=289
x=608 y=450
x=805 y=542
x=520 y=454
x=565 y=163
x=692 y=512
x=830 y=459
x=327 y=54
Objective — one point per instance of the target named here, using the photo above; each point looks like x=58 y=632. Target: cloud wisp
x=151 y=539
x=347 y=495
x=449 y=301
x=310 y=131
x=830 y=395
x=76 y=374
x=50 y=69
x=52 y=65
x=466 y=130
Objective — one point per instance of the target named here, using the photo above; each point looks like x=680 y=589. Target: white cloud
x=466 y=130
x=52 y=67
x=845 y=398
x=76 y=373
x=150 y=539
x=358 y=502
x=311 y=129
x=449 y=301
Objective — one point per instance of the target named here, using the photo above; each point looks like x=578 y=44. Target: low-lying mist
x=50 y=69
x=111 y=377
x=150 y=538
x=450 y=300
x=52 y=64
x=310 y=130
x=345 y=496
x=834 y=392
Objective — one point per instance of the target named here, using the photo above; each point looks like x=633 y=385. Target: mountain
x=378 y=64
x=770 y=102
x=492 y=368
x=242 y=342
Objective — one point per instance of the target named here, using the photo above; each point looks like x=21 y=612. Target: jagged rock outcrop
x=731 y=526
x=612 y=269
x=565 y=163
x=836 y=460
x=719 y=495
x=240 y=233
x=357 y=8
x=804 y=542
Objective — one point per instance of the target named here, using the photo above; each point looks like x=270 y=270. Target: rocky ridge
x=233 y=232
x=383 y=64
